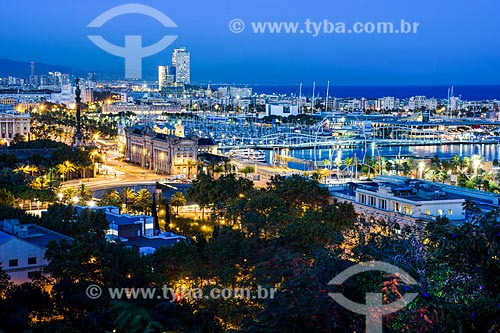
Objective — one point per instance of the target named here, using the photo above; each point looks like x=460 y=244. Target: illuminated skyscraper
x=166 y=76
x=182 y=63
x=162 y=77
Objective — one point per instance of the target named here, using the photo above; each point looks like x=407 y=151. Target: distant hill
x=23 y=69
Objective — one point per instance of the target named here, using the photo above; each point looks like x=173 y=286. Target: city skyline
x=448 y=48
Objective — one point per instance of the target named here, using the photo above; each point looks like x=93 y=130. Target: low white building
x=388 y=103
x=283 y=110
x=431 y=104
x=22 y=249
x=417 y=102
x=401 y=200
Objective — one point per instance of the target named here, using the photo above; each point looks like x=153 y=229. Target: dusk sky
x=457 y=41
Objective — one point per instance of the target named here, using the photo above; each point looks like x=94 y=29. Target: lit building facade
x=166 y=76
x=401 y=200
x=13 y=123
x=181 y=60
x=163 y=153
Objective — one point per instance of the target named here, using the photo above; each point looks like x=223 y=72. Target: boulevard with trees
x=36 y=180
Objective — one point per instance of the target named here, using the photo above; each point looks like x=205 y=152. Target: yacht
x=248 y=154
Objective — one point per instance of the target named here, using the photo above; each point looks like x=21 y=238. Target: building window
x=440 y=212
x=408 y=210
x=383 y=204
x=450 y=211
x=397 y=207
x=33 y=274
x=32 y=261
x=427 y=212
x=372 y=201
x=13 y=263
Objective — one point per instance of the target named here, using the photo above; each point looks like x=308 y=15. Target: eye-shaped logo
x=133 y=52
x=374 y=309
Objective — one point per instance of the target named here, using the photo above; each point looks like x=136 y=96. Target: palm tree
x=431 y=175
x=143 y=201
x=66 y=168
x=40 y=183
x=84 y=193
x=407 y=168
x=177 y=201
x=111 y=198
x=33 y=169
x=212 y=164
x=22 y=168
x=348 y=163
x=51 y=174
x=69 y=193
x=226 y=165
x=455 y=161
x=463 y=166
x=189 y=165
x=27 y=169
x=442 y=175
x=379 y=165
x=128 y=196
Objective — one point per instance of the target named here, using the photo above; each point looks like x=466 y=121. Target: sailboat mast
x=300 y=97
x=327 y=93
x=314 y=88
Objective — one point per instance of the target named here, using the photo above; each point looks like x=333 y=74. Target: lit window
x=427 y=212
x=450 y=211
x=440 y=212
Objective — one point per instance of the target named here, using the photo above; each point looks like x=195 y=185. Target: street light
x=75 y=199
x=476 y=163
x=380 y=171
x=421 y=168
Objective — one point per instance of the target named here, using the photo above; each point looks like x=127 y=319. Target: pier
x=305 y=141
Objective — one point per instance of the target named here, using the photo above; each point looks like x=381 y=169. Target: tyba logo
x=133 y=51
x=374 y=309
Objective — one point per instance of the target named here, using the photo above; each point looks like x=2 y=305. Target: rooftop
x=153 y=242
x=30 y=233
x=206 y=142
x=411 y=190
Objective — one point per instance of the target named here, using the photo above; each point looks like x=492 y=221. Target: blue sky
x=456 y=43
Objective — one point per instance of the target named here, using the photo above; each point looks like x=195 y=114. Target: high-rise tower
x=162 y=77
x=181 y=60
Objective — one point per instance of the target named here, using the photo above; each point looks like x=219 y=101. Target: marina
x=337 y=136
